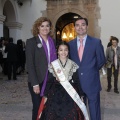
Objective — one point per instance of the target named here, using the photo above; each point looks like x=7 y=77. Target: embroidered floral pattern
x=73 y=69
x=50 y=68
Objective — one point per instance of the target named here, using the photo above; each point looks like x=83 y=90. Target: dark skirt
x=60 y=106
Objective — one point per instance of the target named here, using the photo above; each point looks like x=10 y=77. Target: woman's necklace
x=63 y=65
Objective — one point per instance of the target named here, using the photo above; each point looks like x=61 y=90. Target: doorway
x=65 y=27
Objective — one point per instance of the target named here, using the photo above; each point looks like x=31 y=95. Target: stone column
x=91 y=19
x=2 y=19
x=14 y=30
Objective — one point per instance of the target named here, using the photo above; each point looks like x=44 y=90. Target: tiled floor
x=15 y=101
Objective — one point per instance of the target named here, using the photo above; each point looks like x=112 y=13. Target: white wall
x=110 y=20
x=29 y=12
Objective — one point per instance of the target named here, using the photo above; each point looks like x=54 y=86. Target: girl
x=63 y=88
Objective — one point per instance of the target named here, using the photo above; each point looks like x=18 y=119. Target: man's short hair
x=115 y=38
x=80 y=18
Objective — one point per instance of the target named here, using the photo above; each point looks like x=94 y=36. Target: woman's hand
x=36 y=89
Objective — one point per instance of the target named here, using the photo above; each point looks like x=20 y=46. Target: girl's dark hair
x=63 y=43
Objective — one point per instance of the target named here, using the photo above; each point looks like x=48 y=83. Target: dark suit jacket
x=36 y=61
x=12 y=52
x=92 y=61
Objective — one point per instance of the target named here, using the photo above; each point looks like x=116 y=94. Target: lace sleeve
x=51 y=70
x=72 y=70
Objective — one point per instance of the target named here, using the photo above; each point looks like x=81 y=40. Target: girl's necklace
x=63 y=65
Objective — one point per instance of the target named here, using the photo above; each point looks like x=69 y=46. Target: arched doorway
x=9 y=12
x=65 y=27
x=85 y=8
x=11 y=26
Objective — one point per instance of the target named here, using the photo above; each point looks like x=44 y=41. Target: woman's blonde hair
x=37 y=23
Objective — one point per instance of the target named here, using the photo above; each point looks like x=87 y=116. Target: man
x=113 y=63
x=12 y=57
x=88 y=53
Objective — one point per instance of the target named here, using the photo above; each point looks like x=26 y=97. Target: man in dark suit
x=92 y=60
x=11 y=50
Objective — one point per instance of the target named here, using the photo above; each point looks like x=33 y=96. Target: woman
x=40 y=51
x=61 y=101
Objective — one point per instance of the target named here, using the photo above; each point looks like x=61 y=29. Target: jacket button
x=81 y=73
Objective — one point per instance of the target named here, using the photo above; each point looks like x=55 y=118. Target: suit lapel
x=41 y=50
